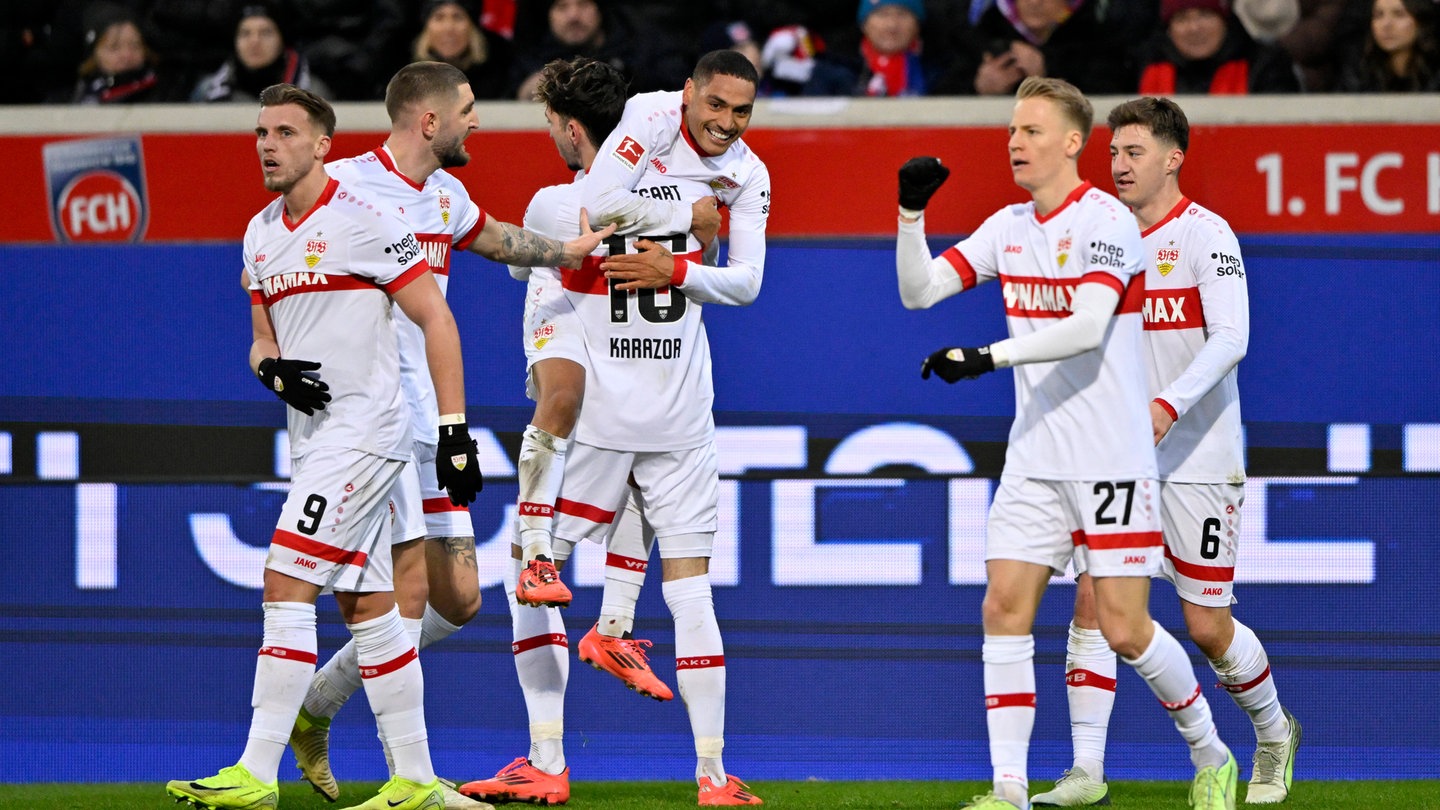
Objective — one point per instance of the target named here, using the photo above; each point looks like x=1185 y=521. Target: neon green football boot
x=402 y=794
x=231 y=789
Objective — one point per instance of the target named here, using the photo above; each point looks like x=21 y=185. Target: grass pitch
x=1419 y=795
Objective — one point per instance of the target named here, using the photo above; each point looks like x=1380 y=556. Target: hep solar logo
x=96 y=190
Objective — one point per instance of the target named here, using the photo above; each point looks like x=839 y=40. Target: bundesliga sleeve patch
x=629 y=152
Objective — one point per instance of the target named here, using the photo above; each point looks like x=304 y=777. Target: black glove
x=920 y=177
x=958 y=364
x=296 y=382
x=457 y=469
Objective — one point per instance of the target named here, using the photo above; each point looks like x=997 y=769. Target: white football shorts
x=1202 y=529
x=335 y=527
x=680 y=490
x=552 y=327
x=1109 y=528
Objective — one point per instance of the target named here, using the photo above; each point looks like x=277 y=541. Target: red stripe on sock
x=536 y=642
x=1248 y=685
x=1175 y=707
x=625 y=563
x=389 y=666
x=1015 y=700
x=299 y=656
x=1084 y=677
x=699 y=662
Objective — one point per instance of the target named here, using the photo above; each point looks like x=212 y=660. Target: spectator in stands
x=354 y=46
x=120 y=67
x=1016 y=39
x=1202 y=49
x=563 y=29
x=1266 y=20
x=1315 y=42
x=733 y=35
x=888 y=59
x=452 y=34
x=192 y=37
x=1399 y=54
x=262 y=57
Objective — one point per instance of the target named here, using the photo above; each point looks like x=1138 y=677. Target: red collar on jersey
x=685 y=133
x=320 y=203
x=1072 y=197
x=383 y=155
x=1174 y=214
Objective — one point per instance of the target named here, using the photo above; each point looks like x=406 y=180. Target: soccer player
x=432 y=112
x=1197 y=325
x=1080 y=475
x=323 y=264
x=648 y=392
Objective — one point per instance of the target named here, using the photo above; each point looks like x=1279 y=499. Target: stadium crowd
x=126 y=51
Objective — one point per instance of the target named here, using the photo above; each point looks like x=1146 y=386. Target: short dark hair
x=318 y=109
x=1163 y=117
x=585 y=90
x=725 y=62
x=419 y=81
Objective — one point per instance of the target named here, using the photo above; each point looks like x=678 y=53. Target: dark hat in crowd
x=470 y=7
x=259 y=8
x=916 y=7
x=99 y=16
x=722 y=35
x=1169 y=8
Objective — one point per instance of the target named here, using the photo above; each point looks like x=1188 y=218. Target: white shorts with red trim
x=1202 y=529
x=1109 y=528
x=552 y=327
x=335 y=527
x=680 y=490
x=422 y=508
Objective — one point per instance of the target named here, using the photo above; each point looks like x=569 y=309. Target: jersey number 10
x=650 y=308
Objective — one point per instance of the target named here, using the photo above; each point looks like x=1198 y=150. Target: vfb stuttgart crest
x=1165 y=259
x=314 y=252
x=445 y=208
x=96 y=189
x=1062 y=250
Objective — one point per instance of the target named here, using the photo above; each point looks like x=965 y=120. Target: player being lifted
x=1197 y=325
x=323 y=264
x=432 y=111
x=648 y=397
x=1080 y=476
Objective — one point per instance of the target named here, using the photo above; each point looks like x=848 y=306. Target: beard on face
x=452 y=154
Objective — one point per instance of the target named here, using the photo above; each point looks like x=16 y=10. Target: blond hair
x=1072 y=103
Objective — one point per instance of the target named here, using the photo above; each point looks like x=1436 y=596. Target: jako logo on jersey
x=1165 y=260
x=304 y=563
x=314 y=251
x=444 y=209
x=1213 y=592
x=629 y=152
x=1038 y=297
x=274 y=285
x=96 y=190
x=1016 y=249
x=659 y=167
x=259 y=257
x=1134 y=559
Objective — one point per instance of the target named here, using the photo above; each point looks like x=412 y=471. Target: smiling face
x=289 y=144
x=258 y=42
x=1042 y=142
x=1197 y=33
x=449 y=31
x=457 y=120
x=1393 y=26
x=718 y=112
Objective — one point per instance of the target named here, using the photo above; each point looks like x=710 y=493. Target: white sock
x=1009 y=709
x=1090 y=693
x=282 y=674
x=700 y=669
x=334 y=683
x=434 y=627
x=542 y=663
x=395 y=687
x=1167 y=669
x=541 y=469
x=627 y=555
x=1244 y=672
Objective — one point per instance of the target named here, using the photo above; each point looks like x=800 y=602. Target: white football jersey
x=326 y=280
x=1086 y=417
x=649 y=385
x=1197 y=327
x=444 y=218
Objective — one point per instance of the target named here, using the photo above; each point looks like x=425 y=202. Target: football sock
x=541 y=468
x=1090 y=693
x=1009 y=709
x=627 y=557
x=1167 y=669
x=700 y=669
x=282 y=674
x=1244 y=672
x=433 y=628
x=542 y=663
x=395 y=687
x=335 y=682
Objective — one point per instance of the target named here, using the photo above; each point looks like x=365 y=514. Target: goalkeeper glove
x=296 y=382
x=920 y=177
x=457 y=469
x=958 y=364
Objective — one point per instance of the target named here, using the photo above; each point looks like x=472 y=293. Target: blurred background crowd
x=127 y=51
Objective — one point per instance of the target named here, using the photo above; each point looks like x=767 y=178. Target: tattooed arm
x=509 y=244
